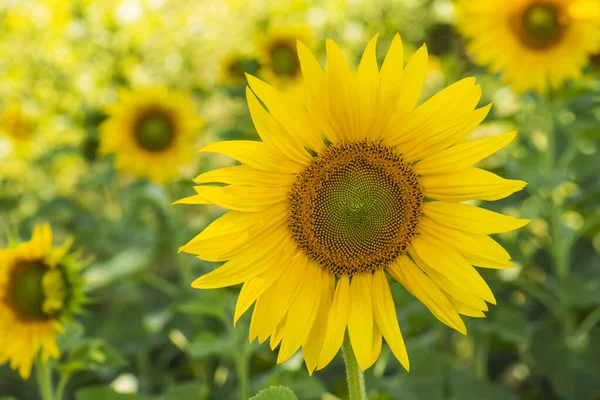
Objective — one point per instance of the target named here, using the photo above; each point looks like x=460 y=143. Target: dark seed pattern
x=356 y=208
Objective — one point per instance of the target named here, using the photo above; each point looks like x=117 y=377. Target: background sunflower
x=151 y=132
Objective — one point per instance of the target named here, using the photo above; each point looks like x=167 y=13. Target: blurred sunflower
x=278 y=56
x=151 y=131
x=16 y=124
x=535 y=43
x=232 y=69
x=40 y=289
x=359 y=183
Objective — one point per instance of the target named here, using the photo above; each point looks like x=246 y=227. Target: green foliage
x=275 y=393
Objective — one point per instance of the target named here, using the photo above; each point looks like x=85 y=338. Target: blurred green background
x=147 y=335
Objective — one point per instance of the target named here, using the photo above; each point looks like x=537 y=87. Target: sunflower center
x=154 y=132
x=27 y=289
x=540 y=26
x=284 y=59
x=37 y=292
x=356 y=208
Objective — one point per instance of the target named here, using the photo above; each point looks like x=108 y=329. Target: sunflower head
x=233 y=68
x=16 y=124
x=278 y=55
x=529 y=36
x=354 y=185
x=150 y=132
x=40 y=289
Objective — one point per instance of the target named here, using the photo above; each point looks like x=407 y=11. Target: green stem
x=356 y=380
x=241 y=367
x=62 y=384
x=588 y=323
x=481 y=360
x=43 y=373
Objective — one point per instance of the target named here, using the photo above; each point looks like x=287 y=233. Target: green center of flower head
x=356 y=208
x=284 y=59
x=154 y=132
x=36 y=291
x=541 y=25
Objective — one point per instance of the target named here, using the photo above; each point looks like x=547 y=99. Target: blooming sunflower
x=278 y=56
x=536 y=43
x=16 y=124
x=359 y=185
x=150 y=131
x=40 y=289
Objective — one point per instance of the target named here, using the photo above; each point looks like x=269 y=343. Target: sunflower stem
x=356 y=380
x=43 y=374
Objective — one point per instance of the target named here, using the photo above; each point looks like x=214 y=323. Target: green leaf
x=579 y=291
x=124 y=264
x=572 y=368
x=91 y=354
x=7 y=398
x=465 y=386
x=186 y=391
x=207 y=344
x=71 y=337
x=105 y=393
x=275 y=393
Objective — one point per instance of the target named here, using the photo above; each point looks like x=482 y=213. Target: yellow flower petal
x=384 y=312
x=463 y=155
x=428 y=293
x=360 y=319
x=470 y=218
x=336 y=322
x=468 y=184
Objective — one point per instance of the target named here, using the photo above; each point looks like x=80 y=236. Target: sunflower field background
x=76 y=75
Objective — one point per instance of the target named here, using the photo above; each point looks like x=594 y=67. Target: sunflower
x=40 y=289
x=359 y=186
x=233 y=68
x=537 y=44
x=16 y=124
x=150 y=131
x=278 y=56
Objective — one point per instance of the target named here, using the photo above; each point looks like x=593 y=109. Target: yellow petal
x=449 y=288
x=468 y=184
x=463 y=155
x=438 y=140
x=314 y=343
x=428 y=293
x=466 y=310
x=254 y=154
x=274 y=303
x=367 y=89
x=274 y=134
x=243 y=268
x=360 y=320
x=391 y=77
x=384 y=312
x=479 y=249
x=243 y=198
x=376 y=342
x=336 y=322
x=277 y=336
x=252 y=289
x=342 y=94
x=470 y=218
x=412 y=82
x=317 y=96
x=245 y=175
x=452 y=264
x=303 y=312
x=289 y=114
x=435 y=115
